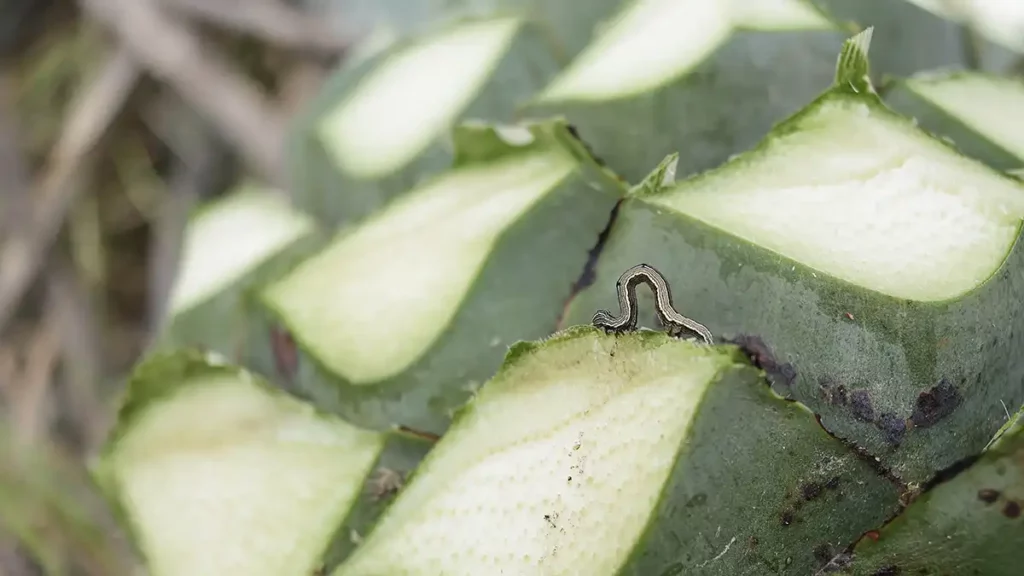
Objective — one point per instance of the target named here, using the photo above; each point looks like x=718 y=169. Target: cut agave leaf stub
x=382 y=124
x=888 y=275
x=439 y=238
x=431 y=290
x=691 y=76
x=591 y=453
x=982 y=114
x=353 y=132
x=230 y=245
x=217 y=473
x=231 y=237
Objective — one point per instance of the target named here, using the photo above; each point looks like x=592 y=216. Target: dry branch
x=270 y=20
x=206 y=80
x=24 y=250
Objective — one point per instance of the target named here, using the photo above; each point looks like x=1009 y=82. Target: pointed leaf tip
x=852 y=66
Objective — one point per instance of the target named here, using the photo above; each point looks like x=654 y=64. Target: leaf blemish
x=988 y=495
x=1011 y=509
x=935 y=404
x=861 y=406
x=780 y=375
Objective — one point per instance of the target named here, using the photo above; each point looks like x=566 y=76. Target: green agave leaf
x=702 y=79
x=874 y=272
x=382 y=124
x=979 y=112
x=970 y=524
x=399 y=319
x=231 y=245
x=999 y=22
x=590 y=453
x=215 y=471
x=567 y=25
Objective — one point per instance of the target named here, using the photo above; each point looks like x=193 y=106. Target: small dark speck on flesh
x=935 y=404
x=1011 y=509
x=787 y=517
x=860 y=405
x=833 y=392
x=893 y=427
x=823 y=553
x=810 y=490
x=988 y=495
x=779 y=374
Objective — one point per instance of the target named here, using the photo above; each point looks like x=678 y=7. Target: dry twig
x=203 y=167
x=30 y=400
x=81 y=355
x=270 y=20
x=203 y=77
x=23 y=251
x=14 y=202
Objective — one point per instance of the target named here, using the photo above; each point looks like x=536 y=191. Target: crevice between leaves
x=588 y=275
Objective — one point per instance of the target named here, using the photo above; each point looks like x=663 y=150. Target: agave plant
x=404 y=370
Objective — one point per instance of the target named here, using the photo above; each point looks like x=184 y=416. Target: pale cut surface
x=858 y=195
x=229 y=239
x=1001 y=21
x=653 y=42
x=992 y=106
x=555 y=469
x=223 y=478
x=777 y=15
x=374 y=301
x=402 y=106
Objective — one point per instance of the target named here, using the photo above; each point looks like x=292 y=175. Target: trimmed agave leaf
x=567 y=25
x=400 y=318
x=997 y=20
x=382 y=124
x=875 y=272
x=230 y=245
x=216 y=472
x=983 y=114
x=705 y=79
x=637 y=454
x=970 y=524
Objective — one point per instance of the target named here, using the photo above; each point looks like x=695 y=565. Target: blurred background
x=117 y=117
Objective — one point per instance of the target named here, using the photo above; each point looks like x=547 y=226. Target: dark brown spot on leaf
x=823 y=553
x=780 y=375
x=286 y=354
x=832 y=483
x=1011 y=509
x=810 y=490
x=893 y=427
x=787 y=517
x=988 y=495
x=696 y=500
x=935 y=404
x=860 y=405
x=833 y=392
